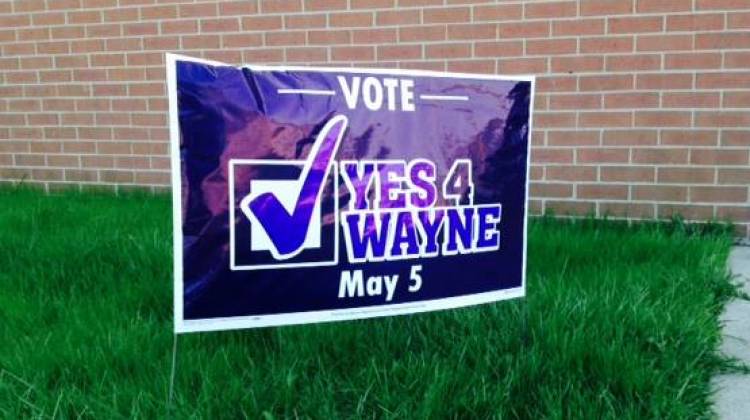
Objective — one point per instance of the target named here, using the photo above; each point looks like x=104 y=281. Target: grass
x=620 y=322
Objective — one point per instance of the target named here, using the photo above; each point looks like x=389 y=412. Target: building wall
x=642 y=107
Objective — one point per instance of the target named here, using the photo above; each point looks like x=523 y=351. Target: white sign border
x=182 y=325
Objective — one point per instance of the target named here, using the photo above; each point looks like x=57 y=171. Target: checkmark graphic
x=287 y=228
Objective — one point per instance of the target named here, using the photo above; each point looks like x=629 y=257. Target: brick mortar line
x=622 y=201
x=447 y=39
x=551 y=36
x=715 y=206
x=429 y=7
x=536 y=164
x=544 y=182
x=597 y=145
x=603 y=73
x=602 y=165
x=453 y=42
x=84 y=183
x=583 y=111
x=545 y=110
x=615 y=217
x=549 y=92
x=542 y=130
x=396 y=26
x=634 y=184
x=415 y=60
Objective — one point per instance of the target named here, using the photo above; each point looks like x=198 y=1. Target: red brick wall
x=643 y=106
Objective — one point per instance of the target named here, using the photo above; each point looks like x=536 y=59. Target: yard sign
x=306 y=194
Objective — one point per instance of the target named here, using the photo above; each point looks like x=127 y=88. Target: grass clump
x=621 y=321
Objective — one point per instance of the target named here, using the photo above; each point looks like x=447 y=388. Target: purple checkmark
x=288 y=230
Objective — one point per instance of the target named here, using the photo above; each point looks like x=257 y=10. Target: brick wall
x=643 y=106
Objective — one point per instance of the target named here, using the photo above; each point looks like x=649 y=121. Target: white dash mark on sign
x=444 y=97
x=319 y=92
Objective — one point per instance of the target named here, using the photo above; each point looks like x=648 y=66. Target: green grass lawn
x=620 y=322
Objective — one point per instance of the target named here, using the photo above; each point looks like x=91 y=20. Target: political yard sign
x=307 y=194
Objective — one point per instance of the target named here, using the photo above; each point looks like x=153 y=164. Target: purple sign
x=320 y=194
